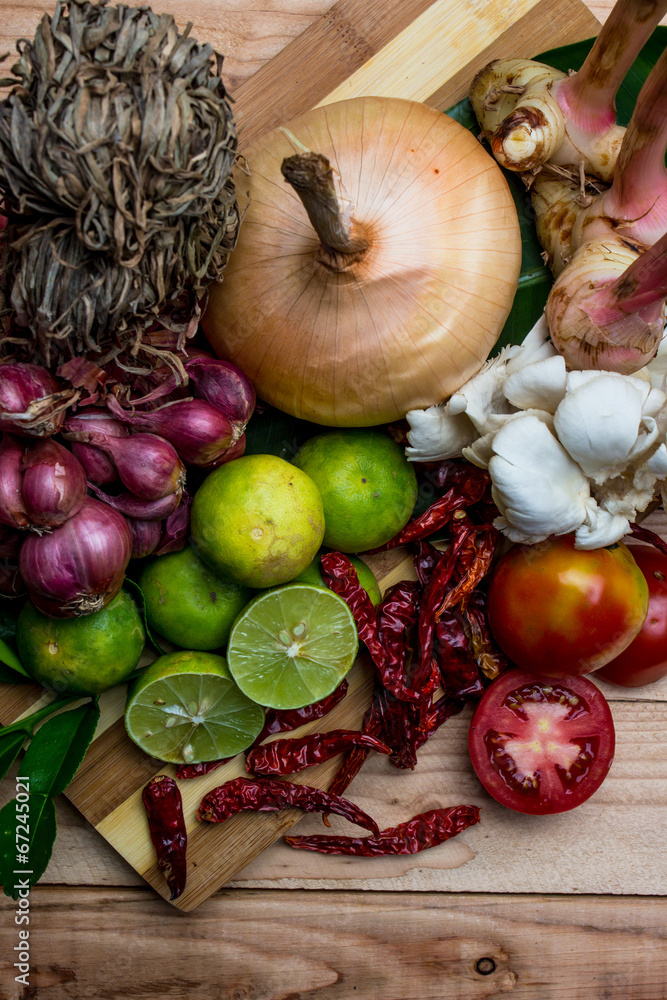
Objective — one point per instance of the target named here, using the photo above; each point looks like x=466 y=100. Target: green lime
x=257 y=520
x=185 y=708
x=313 y=574
x=85 y=655
x=292 y=646
x=188 y=603
x=367 y=485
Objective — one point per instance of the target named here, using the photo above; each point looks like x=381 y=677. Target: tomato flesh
x=541 y=747
x=644 y=661
x=556 y=610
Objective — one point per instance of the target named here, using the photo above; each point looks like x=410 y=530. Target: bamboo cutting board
x=415 y=49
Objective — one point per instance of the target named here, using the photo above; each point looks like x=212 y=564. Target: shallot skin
x=31 y=402
x=226 y=387
x=80 y=567
x=53 y=485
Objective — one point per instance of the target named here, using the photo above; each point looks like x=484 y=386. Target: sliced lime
x=185 y=708
x=292 y=646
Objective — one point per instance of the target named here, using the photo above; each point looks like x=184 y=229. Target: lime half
x=292 y=646
x=185 y=708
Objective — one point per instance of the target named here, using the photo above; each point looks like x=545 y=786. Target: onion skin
x=361 y=340
x=148 y=465
x=31 y=401
x=198 y=431
x=98 y=467
x=176 y=528
x=12 y=508
x=79 y=567
x=53 y=484
x=97 y=420
x=226 y=387
x=145 y=510
x=146 y=536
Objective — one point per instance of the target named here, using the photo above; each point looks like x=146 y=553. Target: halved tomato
x=541 y=746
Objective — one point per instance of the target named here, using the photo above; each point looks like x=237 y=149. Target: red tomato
x=541 y=746
x=645 y=659
x=556 y=610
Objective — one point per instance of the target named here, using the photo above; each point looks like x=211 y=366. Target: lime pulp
x=292 y=646
x=185 y=708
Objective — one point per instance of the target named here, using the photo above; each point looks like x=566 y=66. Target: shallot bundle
x=63 y=538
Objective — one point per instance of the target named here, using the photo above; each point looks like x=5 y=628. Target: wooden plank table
x=540 y=909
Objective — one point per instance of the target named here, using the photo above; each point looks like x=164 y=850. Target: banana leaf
x=535 y=280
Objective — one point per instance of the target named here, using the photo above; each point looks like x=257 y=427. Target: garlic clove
x=540 y=385
x=538 y=488
x=599 y=421
x=436 y=434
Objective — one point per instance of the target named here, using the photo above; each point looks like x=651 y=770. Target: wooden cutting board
x=415 y=49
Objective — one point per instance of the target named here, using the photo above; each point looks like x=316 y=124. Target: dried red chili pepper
x=269 y=795
x=276 y=721
x=353 y=759
x=459 y=672
x=462 y=475
x=396 y=615
x=489 y=657
x=292 y=755
x=164 y=808
x=429 y=829
x=440 y=577
x=340 y=576
x=283 y=720
x=196 y=770
x=434 y=716
x=469 y=485
x=479 y=545
x=425 y=558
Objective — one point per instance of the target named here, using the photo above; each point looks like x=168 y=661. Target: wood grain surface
x=543 y=914
x=248 y=945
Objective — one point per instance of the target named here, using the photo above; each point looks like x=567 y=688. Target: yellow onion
x=401 y=293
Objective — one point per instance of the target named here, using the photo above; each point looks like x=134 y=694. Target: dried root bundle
x=117 y=142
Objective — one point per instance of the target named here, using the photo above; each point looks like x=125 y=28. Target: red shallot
x=176 y=528
x=147 y=510
x=199 y=432
x=12 y=508
x=146 y=536
x=79 y=567
x=98 y=467
x=148 y=465
x=31 y=401
x=53 y=485
x=224 y=386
